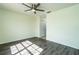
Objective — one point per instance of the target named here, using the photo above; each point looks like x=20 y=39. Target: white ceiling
x=18 y=7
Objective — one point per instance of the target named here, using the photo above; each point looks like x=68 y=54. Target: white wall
x=15 y=26
x=63 y=26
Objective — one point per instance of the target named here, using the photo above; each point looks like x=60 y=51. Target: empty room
x=39 y=29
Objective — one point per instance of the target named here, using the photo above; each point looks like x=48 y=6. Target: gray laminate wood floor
x=36 y=46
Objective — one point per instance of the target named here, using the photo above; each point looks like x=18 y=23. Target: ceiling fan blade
x=37 y=5
x=33 y=6
x=39 y=10
x=49 y=11
x=26 y=5
x=28 y=10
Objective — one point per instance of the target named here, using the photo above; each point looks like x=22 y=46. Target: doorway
x=43 y=27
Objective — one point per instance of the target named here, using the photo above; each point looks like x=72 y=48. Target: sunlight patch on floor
x=13 y=49
x=19 y=46
x=25 y=52
x=25 y=48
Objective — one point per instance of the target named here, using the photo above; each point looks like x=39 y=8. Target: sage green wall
x=15 y=26
x=63 y=26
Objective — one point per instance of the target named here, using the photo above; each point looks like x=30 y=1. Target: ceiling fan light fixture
x=33 y=10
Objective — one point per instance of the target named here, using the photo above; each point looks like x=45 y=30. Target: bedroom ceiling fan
x=34 y=8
